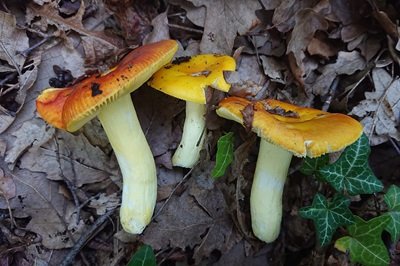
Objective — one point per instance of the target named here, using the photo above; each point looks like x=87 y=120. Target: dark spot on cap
x=167 y=67
x=96 y=89
x=180 y=60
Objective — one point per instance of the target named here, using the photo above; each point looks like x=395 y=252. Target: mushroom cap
x=187 y=78
x=70 y=108
x=302 y=131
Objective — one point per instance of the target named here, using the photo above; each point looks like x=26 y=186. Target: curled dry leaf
x=307 y=23
x=346 y=63
x=380 y=111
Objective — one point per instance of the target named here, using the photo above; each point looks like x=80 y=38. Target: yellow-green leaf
x=224 y=155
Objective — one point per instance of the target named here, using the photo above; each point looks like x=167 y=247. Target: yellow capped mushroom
x=285 y=130
x=187 y=78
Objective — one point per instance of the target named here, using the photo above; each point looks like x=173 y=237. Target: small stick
x=69 y=258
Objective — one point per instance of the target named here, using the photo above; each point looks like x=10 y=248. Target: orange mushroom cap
x=70 y=108
x=302 y=131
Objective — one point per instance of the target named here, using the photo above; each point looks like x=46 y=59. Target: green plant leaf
x=144 y=256
x=310 y=166
x=365 y=243
x=392 y=199
x=328 y=216
x=351 y=172
x=224 y=155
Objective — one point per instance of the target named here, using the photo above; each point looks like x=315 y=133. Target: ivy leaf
x=144 y=256
x=224 y=155
x=311 y=165
x=365 y=243
x=392 y=199
x=328 y=216
x=351 y=172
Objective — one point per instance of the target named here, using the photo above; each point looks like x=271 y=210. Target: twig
x=331 y=93
x=11 y=58
x=395 y=145
x=71 y=186
x=68 y=260
x=172 y=193
x=29 y=50
x=184 y=28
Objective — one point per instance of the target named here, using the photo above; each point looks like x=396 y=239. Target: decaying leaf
x=30 y=133
x=7 y=186
x=97 y=44
x=380 y=111
x=196 y=219
x=224 y=20
x=347 y=63
x=71 y=157
x=103 y=203
x=12 y=41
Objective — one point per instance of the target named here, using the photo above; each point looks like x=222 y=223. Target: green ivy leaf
x=328 y=216
x=365 y=243
x=144 y=256
x=224 y=155
x=392 y=199
x=310 y=166
x=351 y=172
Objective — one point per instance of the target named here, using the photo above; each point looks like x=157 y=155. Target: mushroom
x=285 y=130
x=107 y=96
x=187 y=78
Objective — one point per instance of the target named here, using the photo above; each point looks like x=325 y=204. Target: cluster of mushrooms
x=285 y=129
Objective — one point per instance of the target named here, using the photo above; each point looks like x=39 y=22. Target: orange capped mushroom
x=107 y=96
x=285 y=130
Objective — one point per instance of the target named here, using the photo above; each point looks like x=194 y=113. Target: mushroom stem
x=136 y=162
x=188 y=152
x=266 y=192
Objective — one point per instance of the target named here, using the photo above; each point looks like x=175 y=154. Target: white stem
x=194 y=130
x=136 y=161
x=266 y=192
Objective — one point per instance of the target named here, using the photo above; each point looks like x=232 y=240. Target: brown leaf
x=197 y=219
x=77 y=160
x=381 y=108
x=285 y=13
x=320 y=46
x=97 y=44
x=346 y=63
x=30 y=133
x=7 y=186
x=12 y=41
x=308 y=22
x=224 y=20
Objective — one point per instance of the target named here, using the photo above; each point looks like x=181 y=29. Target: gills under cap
x=70 y=108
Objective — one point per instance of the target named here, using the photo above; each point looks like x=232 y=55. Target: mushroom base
x=136 y=162
x=266 y=192
x=188 y=152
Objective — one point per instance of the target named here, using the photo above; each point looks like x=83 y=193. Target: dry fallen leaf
x=346 y=63
x=224 y=20
x=381 y=108
x=7 y=186
x=196 y=219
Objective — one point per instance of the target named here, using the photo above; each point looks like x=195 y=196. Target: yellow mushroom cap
x=302 y=131
x=187 y=78
x=70 y=108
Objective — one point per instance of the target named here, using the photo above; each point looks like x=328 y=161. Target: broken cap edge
x=322 y=133
x=188 y=78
